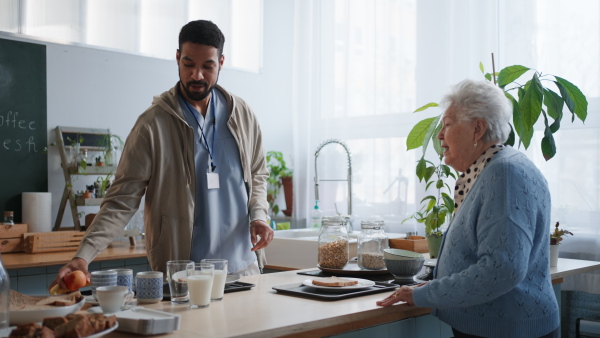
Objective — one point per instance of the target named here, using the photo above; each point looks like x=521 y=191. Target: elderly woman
x=492 y=277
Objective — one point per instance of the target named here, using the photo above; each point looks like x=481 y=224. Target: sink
x=298 y=248
x=297 y=233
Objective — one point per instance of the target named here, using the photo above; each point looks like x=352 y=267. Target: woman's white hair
x=470 y=99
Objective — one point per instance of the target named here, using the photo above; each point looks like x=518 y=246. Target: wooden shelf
x=94 y=170
x=87 y=202
x=90 y=139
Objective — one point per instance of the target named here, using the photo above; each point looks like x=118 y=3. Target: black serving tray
x=308 y=292
x=238 y=286
x=231 y=287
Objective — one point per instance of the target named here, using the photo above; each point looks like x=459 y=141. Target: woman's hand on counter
x=75 y=264
x=403 y=294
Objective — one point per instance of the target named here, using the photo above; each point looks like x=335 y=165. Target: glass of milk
x=200 y=282
x=218 y=287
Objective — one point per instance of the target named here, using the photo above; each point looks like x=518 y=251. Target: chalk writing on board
x=22 y=137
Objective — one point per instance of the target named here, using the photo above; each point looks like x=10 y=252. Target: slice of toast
x=334 y=281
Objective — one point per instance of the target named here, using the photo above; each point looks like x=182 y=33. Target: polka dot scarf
x=466 y=179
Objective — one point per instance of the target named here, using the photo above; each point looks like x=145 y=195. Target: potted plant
x=279 y=176
x=103 y=183
x=438 y=207
x=556 y=237
x=78 y=162
x=530 y=101
x=111 y=143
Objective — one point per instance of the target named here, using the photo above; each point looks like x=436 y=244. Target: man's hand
x=75 y=264
x=261 y=229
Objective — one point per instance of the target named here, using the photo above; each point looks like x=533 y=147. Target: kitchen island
x=261 y=312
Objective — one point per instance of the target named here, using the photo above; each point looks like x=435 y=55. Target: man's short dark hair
x=202 y=32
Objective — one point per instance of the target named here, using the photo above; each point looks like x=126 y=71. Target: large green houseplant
x=530 y=100
x=279 y=176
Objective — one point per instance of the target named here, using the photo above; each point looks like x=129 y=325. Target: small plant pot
x=554 y=254
x=434 y=243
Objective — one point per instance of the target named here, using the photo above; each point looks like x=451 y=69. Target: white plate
x=107 y=331
x=362 y=284
x=28 y=316
x=232 y=279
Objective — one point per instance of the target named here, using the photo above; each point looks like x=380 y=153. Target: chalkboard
x=23 y=123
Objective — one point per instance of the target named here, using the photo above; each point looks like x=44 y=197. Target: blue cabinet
x=35 y=281
x=426 y=326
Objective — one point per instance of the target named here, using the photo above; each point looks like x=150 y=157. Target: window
x=148 y=27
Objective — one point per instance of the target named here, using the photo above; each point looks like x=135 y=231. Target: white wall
x=99 y=88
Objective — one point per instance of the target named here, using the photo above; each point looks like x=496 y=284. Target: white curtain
x=362 y=67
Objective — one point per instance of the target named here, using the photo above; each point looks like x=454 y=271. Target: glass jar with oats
x=333 y=243
x=371 y=242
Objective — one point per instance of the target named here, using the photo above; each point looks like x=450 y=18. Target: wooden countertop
x=116 y=250
x=261 y=312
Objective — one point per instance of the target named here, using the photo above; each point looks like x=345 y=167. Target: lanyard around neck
x=214 y=109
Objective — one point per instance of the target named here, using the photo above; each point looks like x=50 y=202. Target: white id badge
x=213 y=180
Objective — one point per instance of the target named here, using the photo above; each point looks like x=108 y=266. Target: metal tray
x=308 y=292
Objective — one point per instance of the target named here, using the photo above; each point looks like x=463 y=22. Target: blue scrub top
x=221 y=222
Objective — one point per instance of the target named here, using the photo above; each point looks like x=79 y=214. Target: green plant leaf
x=429 y=105
x=439 y=184
x=531 y=104
x=524 y=134
x=481 y=67
x=554 y=104
x=576 y=101
x=448 y=202
x=428 y=173
x=510 y=74
x=421 y=169
x=510 y=141
x=430 y=135
x=488 y=76
x=417 y=135
x=548 y=145
x=437 y=144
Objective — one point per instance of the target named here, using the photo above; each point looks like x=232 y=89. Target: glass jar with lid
x=333 y=243
x=371 y=242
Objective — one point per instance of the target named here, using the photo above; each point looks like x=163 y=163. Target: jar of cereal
x=333 y=243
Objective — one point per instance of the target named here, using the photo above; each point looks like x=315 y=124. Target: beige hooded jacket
x=158 y=161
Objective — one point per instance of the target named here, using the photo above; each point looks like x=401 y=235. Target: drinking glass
x=200 y=282
x=177 y=279
x=220 y=276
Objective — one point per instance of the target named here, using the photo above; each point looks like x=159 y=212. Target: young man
x=197 y=155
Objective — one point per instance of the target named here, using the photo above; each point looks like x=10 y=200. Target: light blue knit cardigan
x=493 y=275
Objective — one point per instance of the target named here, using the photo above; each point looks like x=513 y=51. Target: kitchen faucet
x=349 y=178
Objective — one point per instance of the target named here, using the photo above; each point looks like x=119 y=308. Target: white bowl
x=399 y=254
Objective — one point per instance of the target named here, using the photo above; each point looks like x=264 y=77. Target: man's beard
x=198 y=96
